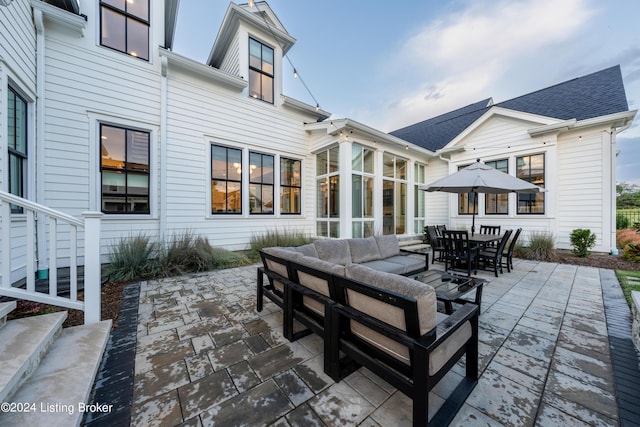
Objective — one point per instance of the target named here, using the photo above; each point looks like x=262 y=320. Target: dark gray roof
x=593 y=95
x=431 y=133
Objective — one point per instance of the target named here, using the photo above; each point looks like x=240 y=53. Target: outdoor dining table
x=484 y=239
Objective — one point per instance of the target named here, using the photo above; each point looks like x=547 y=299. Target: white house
x=97 y=113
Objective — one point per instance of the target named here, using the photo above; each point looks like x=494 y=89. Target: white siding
x=201 y=114
x=582 y=195
x=87 y=84
x=18 y=69
x=437 y=202
x=231 y=61
x=502 y=137
x=18 y=43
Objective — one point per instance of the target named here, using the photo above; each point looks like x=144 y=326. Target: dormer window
x=260 y=71
x=124 y=26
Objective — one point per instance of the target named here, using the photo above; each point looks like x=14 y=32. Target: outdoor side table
x=451 y=288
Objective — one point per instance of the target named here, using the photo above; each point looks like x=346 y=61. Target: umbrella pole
x=475 y=208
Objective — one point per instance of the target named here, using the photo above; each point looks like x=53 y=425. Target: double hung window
x=362 y=191
x=467 y=202
x=328 y=193
x=124 y=26
x=17 y=130
x=226 y=180
x=260 y=183
x=290 y=186
x=531 y=169
x=394 y=195
x=420 y=207
x=260 y=71
x=497 y=204
x=124 y=166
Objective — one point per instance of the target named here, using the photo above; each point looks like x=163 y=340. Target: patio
x=204 y=356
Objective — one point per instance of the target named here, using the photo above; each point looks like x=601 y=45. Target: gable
x=598 y=94
x=496 y=133
x=260 y=17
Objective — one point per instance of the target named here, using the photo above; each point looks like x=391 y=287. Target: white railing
x=27 y=251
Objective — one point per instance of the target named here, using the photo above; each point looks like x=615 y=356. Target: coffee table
x=451 y=287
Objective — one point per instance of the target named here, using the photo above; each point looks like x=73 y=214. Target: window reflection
x=124 y=26
x=226 y=180
x=260 y=183
x=290 y=186
x=261 y=73
x=497 y=204
x=531 y=169
x=124 y=165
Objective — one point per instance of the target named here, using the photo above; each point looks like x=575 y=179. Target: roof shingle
x=593 y=95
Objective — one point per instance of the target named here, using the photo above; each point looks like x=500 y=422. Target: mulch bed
x=599 y=260
x=110 y=307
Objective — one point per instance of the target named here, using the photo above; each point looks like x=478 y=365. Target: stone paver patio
x=205 y=357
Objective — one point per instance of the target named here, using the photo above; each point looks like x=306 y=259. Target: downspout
x=41 y=226
x=612 y=172
x=163 y=145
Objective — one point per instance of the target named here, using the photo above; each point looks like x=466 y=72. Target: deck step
x=64 y=379
x=23 y=344
x=5 y=309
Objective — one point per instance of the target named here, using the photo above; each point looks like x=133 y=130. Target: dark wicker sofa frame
x=344 y=351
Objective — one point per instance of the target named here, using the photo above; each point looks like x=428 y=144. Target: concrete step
x=61 y=385
x=413 y=244
x=23 y=344
x=5 y=309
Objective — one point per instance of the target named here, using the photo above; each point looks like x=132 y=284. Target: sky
x=389 y=64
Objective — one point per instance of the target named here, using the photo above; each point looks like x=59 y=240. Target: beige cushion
x=423 y=294
x=308 y=250
x=316 y=283
x=363 y=250
x=278 y=267
x=445 y=350
x=334 y=250
x=388 y=245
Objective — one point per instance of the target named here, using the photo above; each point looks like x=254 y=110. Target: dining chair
x=458 y=251
x=489 y=229
x=508 y=255
x=490 y=257
x=436 y=242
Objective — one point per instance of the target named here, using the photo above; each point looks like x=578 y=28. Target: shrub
x=541 y=246
x=186 y=253
x=132 y=258
x=622 y=221
x=624 y=237
x=582 y=239
x=632 y=252
x=277 y=238
x=137 y=257
x=223 y=258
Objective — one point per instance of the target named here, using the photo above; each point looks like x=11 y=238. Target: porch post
x=92 y=273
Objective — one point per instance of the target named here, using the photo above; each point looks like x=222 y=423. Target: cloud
x=473 y=53
x=628 y=161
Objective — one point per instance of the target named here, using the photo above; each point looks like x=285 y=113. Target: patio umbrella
x=480 y=178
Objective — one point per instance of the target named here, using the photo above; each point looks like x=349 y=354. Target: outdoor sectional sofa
x=370 y=317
